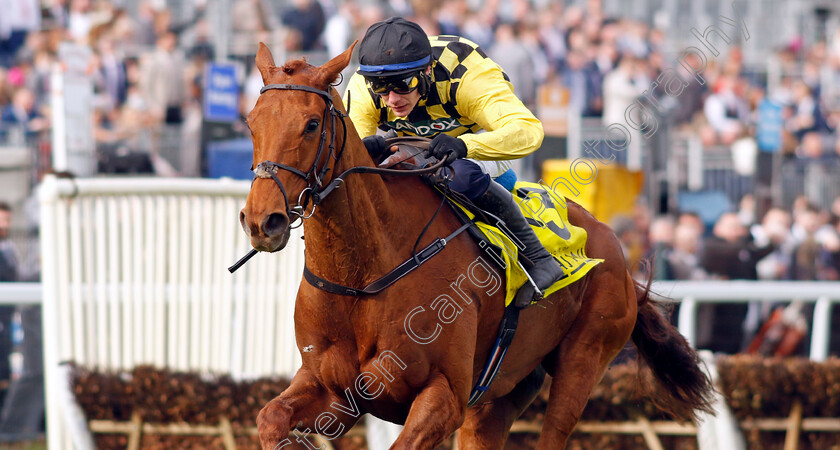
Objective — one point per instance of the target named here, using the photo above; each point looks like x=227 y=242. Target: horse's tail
x=684 y=388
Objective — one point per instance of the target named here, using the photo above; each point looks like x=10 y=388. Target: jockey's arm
x=363 y=112
x=487 y=98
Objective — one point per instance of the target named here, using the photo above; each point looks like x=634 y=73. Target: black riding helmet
x=392 y=51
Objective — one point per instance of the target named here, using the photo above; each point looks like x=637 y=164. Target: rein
x=315 y=191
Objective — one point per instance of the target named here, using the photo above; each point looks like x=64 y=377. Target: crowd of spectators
x=147 y=68
x=802 y=244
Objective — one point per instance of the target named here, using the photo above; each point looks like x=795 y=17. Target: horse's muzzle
x=270 y=234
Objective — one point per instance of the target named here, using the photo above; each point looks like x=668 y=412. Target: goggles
x=403 y=84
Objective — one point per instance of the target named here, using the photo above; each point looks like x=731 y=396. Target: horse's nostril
x=242 y=217
x=275 y=224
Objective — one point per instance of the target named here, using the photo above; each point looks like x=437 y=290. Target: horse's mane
x=293 y=66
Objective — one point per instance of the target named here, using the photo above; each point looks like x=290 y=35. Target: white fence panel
x=134 y=272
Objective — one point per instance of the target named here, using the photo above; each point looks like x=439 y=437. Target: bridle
x=315 y=190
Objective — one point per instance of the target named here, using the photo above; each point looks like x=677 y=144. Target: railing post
x=687 y=320
x=820 y=330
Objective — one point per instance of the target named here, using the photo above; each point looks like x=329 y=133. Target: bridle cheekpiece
x=315 y=191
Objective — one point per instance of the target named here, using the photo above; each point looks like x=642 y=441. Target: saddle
x=544 y=209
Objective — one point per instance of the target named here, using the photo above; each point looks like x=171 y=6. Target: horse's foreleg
x=305 y=407
x=434 y=415
x=487 y=426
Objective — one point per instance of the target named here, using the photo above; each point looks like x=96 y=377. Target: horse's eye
x=311 y=126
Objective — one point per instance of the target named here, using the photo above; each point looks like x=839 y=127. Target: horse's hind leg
x=487 y=426
x=603 y=326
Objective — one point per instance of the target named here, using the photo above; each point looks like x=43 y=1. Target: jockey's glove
x=376 y=147
x=444 y=146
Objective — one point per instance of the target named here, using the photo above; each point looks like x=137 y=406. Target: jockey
x=447 y=89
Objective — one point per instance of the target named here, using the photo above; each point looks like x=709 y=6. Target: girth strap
x=389 y=278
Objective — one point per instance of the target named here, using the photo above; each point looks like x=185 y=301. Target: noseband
x=314 y=190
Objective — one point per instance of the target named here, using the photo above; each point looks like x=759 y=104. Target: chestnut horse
x=411 y=353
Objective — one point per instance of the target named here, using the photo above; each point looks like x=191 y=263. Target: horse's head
x=293 y=127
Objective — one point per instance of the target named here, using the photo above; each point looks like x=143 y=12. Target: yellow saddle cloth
x=546 y=211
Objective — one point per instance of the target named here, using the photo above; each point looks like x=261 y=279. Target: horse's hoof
x=272 y=426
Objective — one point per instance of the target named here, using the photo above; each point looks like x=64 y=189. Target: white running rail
x=690 y=293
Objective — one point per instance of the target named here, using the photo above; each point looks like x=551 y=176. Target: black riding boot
x=499 y=202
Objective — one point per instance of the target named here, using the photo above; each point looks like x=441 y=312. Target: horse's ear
x=329 y=71
x=265 y=63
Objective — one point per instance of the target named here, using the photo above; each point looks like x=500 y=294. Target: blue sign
x=769 y=128
x=221 y=93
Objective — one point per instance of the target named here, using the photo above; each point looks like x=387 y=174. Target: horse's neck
x=358 y=232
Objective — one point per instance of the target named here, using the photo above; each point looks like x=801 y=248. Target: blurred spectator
x=575 y=76
x=56 y=14
x=774 y=229
x=249 y=16
x=478 y=26
x=690 y=101
x=342 y=28
x=450 y=17
x=23 y=111
x=683 y=259
x=111 y=75
x=816 y=241
x=529 y=36
x=17 y=19
x=621 y=87
x=162 y=80
x=511 y=54
x=812 y=148
x=36 y=60
x=80 y=20
x=661 y=238
x=144 y=31
x=726 y=113
x=307 y=18
x=550 y=31
x=730 y=253
x=806 y=115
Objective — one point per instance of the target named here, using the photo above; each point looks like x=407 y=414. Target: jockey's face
x=401 y=104
x=400 y=93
